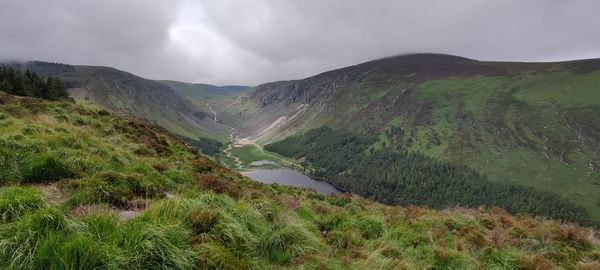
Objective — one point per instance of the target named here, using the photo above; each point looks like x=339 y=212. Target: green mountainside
x=123 y=92
x=85 y=188
x=533 y=124
x=411 y=178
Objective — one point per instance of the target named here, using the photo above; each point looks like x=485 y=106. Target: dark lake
x=289 y=177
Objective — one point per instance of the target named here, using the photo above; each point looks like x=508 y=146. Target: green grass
x=251 y=153
x=45 y=168
x=534 y=104
x=216 y=219
x=18 y=201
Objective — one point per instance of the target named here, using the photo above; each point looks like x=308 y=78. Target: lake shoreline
x=285 y=175
x=316 y=178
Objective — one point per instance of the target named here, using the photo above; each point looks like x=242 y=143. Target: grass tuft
x=152 y=246
x=45 y=168
x=17 y=201
x=284 y=242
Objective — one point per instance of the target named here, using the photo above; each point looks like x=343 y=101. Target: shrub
x=44 y=168
x=18 y=201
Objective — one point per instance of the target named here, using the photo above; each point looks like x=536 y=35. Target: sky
x=248 y=42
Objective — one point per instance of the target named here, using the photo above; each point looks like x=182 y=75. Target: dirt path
x=227 y=151
x=52 y=193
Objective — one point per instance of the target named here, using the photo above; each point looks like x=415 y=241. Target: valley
x=309 y=135
x=526 y=124
x=491 y=166
x=532 y=124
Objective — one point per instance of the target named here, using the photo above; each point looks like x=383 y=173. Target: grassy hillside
x=124 y=92
x=83 y=188
x=534 y=124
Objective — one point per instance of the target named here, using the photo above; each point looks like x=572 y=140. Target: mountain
x=195 y=90
x=124 y=92
x=85 y=188
x=533 y=124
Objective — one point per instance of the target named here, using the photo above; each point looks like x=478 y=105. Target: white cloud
x=255 y=41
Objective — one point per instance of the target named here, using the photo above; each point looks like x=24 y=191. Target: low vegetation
x=125 y=194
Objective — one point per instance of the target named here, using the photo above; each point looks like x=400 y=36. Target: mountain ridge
x=125 y=92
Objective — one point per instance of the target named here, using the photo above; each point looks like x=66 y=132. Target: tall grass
x=19 y=241
x=47 y=239
x=45 y=168
x=284 y=242
x=152 y=246
x=17 y=201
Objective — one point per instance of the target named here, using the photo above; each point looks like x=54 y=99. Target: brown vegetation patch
x=203 y=165
x=212 y=182
x=203 y=219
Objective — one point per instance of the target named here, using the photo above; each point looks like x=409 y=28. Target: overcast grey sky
x=255 y=41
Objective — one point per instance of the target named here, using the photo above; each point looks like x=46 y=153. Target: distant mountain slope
x=529 y=123
x=205 y=90
x=124 y=92
x=201 y=95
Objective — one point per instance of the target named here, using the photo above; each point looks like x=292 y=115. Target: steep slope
x=100 y=190
x=124 y=92
x=527 y=123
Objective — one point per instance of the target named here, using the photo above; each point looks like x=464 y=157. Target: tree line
x=206 y=145
x=29 y=84
x=351 y=162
